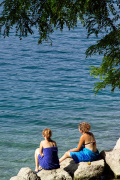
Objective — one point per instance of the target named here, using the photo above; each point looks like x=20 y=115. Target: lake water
x=50 y=86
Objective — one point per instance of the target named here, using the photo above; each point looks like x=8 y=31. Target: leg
x=66 y=155
x=36 y=160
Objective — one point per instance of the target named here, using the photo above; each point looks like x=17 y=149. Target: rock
x=87 y=172
x=69 y=166
x=82 y=170
x=112 y=159
x=68 y=170
x=17 y=178
x=117 y=146
x=55 y=174
x=27 y=174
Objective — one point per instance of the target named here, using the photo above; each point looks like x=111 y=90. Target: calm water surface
x=50 y=86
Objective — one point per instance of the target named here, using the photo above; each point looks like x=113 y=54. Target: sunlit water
x=50 y=86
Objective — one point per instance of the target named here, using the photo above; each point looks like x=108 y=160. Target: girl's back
x=90 y=142
x=48 y=143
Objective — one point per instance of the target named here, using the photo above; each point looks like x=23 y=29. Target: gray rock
x=112 y=159
x=69 y=166
x=87 y=172
x=17 y=178
x=27 y=174
x=55 y=174
x=68 y=170
x=117 y=146
x=82 y=170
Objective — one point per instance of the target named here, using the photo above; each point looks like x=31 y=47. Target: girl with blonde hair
x=46 y=156
x=86 y=150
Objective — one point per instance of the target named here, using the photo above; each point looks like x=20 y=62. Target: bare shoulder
x=54 y=142
x=42 y=142
x=90 y=136
x=82 y=138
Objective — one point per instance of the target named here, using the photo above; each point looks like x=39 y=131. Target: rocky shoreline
x=108 y=167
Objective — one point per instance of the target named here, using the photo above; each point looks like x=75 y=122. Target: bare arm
x=41 y=149
x=81 y=142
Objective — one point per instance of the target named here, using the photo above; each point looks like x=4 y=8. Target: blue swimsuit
x=50 y=159
x=84 y=155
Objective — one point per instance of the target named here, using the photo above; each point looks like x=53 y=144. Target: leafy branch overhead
x=97 y=16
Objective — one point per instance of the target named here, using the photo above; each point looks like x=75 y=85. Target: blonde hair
x=47 y=133
x=84 y=126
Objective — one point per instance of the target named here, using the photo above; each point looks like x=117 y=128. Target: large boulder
x=88 y=172
x=55 y=174
x=83 y=170
x=69 y=166
x=26 y=174
x=112 y=159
